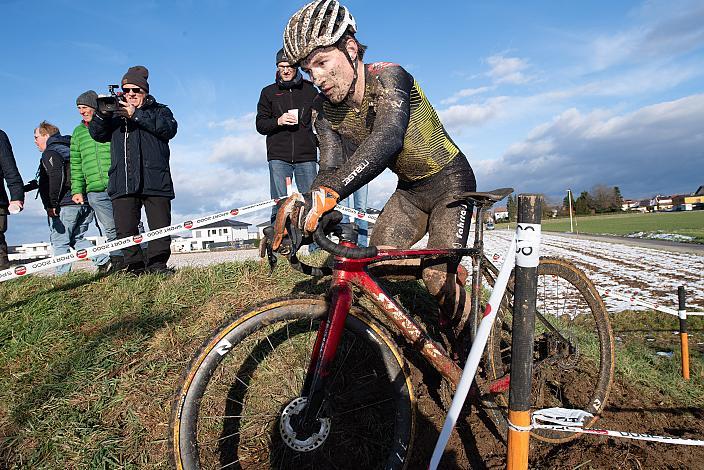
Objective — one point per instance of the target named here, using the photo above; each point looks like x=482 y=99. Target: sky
x=541 y=96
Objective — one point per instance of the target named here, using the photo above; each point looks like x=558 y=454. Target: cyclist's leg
x=449 y=226
x=400 y=225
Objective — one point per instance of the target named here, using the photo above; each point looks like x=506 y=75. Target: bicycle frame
x=354 y=272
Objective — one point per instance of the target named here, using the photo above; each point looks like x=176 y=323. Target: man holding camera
x=8 y=171
x=68 y=221
x=90 y=162
x=139 y=132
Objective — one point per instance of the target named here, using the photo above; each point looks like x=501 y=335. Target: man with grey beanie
x=140 y=174
x=90 y=162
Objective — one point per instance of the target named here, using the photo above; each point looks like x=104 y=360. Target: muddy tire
x=228 y=409
x=573 y=354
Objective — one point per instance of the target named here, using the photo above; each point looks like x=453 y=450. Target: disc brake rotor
x=289 y=435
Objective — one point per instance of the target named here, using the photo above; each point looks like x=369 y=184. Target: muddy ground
x=476 y=444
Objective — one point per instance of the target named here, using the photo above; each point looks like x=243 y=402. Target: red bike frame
x=354 y=272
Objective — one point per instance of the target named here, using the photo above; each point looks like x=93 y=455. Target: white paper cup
x=294 y=113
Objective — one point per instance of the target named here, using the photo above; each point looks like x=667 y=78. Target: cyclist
x=380 y=112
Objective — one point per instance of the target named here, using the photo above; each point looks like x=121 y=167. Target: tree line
x=599 y=200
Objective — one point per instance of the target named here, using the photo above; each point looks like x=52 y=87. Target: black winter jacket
x=8 y=171
x=139 y=152
x=294 y=144
x=54 y=173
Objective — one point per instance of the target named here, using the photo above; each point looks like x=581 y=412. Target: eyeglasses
x=132 y=90
x=284 y=67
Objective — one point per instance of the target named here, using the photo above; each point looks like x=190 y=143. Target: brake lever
x=271 y=257
x=296 y=236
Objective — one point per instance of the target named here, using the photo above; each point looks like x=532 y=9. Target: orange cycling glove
x=322 y=200
x=304 y=211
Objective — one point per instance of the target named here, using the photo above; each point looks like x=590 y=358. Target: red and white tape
x=638 y=301
x=566 y=420
x=49 y=263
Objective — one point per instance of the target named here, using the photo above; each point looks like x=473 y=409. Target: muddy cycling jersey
x=395 y=127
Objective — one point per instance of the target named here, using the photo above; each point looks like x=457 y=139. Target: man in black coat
x=284 y=116
x=140 y=175
x=8 y=171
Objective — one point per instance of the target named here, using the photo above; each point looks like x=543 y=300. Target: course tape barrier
x=48 y=263
x=566 y=420
x=53 y=262
x=637 y=301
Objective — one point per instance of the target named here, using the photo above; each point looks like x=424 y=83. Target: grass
x=88 y=365
x=640 y=334
x=689 y=224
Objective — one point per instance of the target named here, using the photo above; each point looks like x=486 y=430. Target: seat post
x=476 y=267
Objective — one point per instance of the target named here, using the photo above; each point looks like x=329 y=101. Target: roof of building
x=224 y=224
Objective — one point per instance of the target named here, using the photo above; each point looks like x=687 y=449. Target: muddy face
x=330 y=71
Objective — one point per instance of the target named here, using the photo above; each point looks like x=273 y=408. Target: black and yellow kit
x=397 y=128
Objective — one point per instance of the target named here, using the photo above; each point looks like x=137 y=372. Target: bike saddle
x=483 y=198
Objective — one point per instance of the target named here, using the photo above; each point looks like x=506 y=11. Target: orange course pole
x=684 y=339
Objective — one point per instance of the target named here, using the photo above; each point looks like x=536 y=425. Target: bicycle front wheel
x=237 y=400
x=573 y=354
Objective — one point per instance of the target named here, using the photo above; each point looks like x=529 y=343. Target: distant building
x=500 y=213
x=27 y=251
x=629 y=204
x=694 y=201
x=215 y=235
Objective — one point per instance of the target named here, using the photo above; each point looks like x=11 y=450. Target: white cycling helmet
x=318 y=24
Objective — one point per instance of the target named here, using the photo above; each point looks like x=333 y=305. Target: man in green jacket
x=90 y=162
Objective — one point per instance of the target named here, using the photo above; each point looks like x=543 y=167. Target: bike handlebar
x=327 y=223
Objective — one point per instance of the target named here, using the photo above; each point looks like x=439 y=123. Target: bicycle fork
x=324 y=350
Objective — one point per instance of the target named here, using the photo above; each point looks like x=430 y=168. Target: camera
x=108 y=104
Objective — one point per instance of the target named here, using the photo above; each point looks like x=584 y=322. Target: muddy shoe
x=105 y=268
x=159 y=268
x=134 y=269
x=4 y=261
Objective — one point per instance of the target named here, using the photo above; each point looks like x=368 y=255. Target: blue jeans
x=278 y=171
x=102 y=206
x=360 y=204
x=68 y=231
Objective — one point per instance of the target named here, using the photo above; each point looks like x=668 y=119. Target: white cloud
x=247 y=149
x=657 y=148
x=465 y=93
x=665 y=30
x=510 y=70
x=239 y=123
x=461 y=116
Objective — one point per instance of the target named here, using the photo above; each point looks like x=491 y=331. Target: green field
x=650 y=225
x=89 y=364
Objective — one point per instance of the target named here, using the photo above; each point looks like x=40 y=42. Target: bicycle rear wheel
x=573 y=354
x=237 y=399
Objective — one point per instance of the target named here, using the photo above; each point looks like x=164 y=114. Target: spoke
x=230 y=464
x=363 y=407
x=270 y=345
x=258 y=415
x=228 y=436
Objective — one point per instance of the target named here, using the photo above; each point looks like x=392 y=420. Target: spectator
x=140 y=175
x=8 y=171
x=68 y=222
x=284 y=116
x=90 y=162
